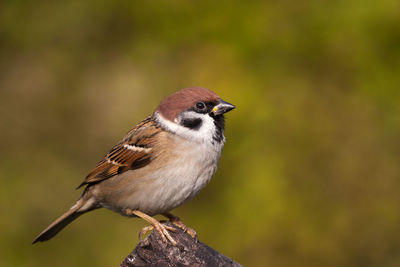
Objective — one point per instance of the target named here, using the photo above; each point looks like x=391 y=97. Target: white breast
x=182 y=179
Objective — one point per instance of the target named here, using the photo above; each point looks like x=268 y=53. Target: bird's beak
x=222 y=108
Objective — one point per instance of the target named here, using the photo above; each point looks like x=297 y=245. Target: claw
x=162 y=230
x=186 y=229
x=176 y=221
x=191 y=232
x=145 y=230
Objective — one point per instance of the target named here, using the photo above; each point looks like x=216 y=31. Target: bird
x=160 y=164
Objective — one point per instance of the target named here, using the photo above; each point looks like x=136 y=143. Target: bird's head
x=194 y=111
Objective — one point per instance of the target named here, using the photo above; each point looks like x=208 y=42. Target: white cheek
x=204 y=134
x=207 y=127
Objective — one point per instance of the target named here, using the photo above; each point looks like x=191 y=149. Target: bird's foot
x=162 y=229
x=176 y=221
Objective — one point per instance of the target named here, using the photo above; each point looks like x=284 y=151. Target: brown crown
x=182 y=100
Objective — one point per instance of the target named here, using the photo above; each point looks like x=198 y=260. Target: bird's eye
x=200 y=105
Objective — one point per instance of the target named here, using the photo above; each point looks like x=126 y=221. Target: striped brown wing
x=134 y=151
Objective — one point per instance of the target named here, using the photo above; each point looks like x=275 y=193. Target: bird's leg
x=176 y=221
x=161 y=229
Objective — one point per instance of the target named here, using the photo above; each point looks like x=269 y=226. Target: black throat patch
x=219 y=122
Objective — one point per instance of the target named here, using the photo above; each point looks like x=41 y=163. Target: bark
x=153 y=251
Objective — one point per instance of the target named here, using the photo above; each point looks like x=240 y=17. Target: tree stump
x=153 y=251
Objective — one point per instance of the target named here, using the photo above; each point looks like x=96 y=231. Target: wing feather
x=134 y=151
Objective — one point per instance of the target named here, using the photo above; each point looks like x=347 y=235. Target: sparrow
x=161 y=163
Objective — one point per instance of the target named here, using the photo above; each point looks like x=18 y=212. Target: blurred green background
x=310 y=173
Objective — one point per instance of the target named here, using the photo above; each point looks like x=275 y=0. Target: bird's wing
x=134 y=151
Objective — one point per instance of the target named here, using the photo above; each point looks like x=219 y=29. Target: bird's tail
x=61 y=222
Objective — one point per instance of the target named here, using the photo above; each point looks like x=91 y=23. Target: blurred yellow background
x=310 y=173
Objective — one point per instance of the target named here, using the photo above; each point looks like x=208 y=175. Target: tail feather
x=60 y=223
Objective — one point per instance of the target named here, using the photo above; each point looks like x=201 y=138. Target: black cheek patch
x=193 y=124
